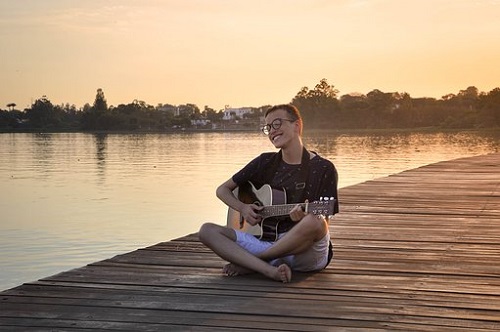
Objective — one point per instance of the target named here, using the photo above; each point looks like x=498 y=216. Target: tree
x=11 y=119
x=382 y=106
x=97 y=117
x=212 y=115
x=459 y=111
x=42 y=114
x=325 y=90
x=11 y=106
x=100 y=104
x=406 y=115
x=489 y=108
x=470 y=93
x=354 y=110
x=319 y=106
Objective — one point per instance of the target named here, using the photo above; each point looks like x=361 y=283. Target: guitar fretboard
x=276 y=210
x=284 y=209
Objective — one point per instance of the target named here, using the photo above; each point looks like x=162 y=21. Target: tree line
x=321 y=107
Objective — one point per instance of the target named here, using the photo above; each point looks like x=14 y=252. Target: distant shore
x=231 y=130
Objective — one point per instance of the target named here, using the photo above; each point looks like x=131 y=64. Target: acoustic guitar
x=274 y=203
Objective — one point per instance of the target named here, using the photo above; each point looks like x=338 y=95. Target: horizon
x=244 y=53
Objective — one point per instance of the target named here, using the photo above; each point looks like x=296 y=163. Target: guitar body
x=247 y=193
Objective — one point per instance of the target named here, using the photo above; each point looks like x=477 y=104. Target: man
x=303 y=238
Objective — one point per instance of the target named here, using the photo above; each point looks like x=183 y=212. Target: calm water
x=67 y=200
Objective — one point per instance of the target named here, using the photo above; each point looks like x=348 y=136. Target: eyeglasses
x=276 y=124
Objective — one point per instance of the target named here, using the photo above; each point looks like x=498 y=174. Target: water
x=67 y=200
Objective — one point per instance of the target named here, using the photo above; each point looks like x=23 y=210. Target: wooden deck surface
x=416 y=251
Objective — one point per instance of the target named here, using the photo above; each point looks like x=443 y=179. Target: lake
x=70 y=199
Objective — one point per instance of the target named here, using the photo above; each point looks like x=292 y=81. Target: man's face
x=281 y=128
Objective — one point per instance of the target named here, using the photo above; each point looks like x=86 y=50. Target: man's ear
x=298 y=125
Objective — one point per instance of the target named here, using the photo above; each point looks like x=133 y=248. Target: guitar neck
x=317 y=208
x=277 y=210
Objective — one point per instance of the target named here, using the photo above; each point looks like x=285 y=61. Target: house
x=200 y=122
x=235 y=113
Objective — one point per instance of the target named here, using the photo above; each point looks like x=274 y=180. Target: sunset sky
x=243 y=53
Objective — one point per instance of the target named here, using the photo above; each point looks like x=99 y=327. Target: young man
x=303 y=238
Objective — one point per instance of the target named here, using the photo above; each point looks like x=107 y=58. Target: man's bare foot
x=232 y=270
x=283 y=273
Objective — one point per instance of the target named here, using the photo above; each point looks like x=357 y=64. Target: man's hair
x=289 y=108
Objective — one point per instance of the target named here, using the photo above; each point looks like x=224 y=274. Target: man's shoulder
x=321 y=161
x=261 y=160
x=266 y=156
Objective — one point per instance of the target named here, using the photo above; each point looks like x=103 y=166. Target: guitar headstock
x=325 y=206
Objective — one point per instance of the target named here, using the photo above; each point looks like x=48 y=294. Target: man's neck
x=292 y=154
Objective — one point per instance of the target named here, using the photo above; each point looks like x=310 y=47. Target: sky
x=242 y=53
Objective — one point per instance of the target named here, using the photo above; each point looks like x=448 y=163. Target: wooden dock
x=416 y=251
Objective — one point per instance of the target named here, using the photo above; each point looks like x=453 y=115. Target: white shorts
x=313 y=259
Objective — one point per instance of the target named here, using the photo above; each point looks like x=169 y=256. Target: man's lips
x=275 y=137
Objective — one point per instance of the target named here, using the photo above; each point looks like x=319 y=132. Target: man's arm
x=249 y=211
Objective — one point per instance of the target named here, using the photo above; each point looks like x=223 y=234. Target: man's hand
x=297 y=213
x=250 y=213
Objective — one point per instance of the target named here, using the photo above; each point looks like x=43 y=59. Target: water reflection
x=411 y=143
x=321 y=143
x=43 y=152
x=100 y=141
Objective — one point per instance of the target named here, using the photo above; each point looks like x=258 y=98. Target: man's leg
x=222 y=241
x=301 y=237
